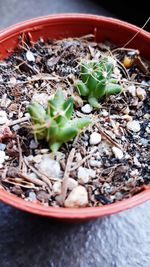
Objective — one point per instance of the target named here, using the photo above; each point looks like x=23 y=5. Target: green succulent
x=54 y=124
x=96 y=80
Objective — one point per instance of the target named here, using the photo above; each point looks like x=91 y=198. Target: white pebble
x=77 y=198
x=132 y=90
x=104 y=113
x=141 y=93
x=2 y=146
x=134 y=173
x=133 y=126
x=16 y=127
x=30 y=56
x=32 y=196
x=32 y=175
x=50 y=167
x=72 y=183
x=84 y=175
x=44 y=150
x=87 y=109
x=95 y=138
x=95 y=163
x=3 y=117
x=37 y=158
x=57 y=188
x=117 y=152
x=30 y=158
x=2 y=156
x=13 y=81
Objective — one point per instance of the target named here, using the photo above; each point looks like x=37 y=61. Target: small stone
x=87 y=109
x=30 y=56
x=3 y=117
x=95 y=163
x=50 y=167
x=104 y=113
x=126 y=110
x=84 y=175
x=17 y=190
x=43 y=196
x=40 y=98
x=57 y=188
x=133 y=126
x=27 y=115
x=30 y=158
x=77 y=198
x=16 y=127
x=144 y=141
x=72 y=183
x=2 y=157
x=117 y=152
x=44 y=150
x=95 y=138
x=33 y=144
x=132 y=90
x=136 y=162
x=105 y=148
x=37 y=158
x=134 y=173
x=141 y=93
x=118 y=196
x=146 y=116
x=5 y=102
x=2 y=146
x=148 y=129
x=1 y=166
x=107 y=188
x=13 y=81
x=32 y=196
x=32 y=175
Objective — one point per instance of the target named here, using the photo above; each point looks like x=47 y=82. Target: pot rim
x=60 y=212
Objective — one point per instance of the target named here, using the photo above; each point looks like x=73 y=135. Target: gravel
x=133 y=126
x=87 y=109
x=117 y=152
x=77 y=198
x=84 y=175
x=95 y=138
x=50 y=167
x=3 y=117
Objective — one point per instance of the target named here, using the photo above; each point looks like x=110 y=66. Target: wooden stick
x=64 y=186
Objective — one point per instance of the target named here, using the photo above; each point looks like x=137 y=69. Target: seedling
x=96 y=81
x=54 y=124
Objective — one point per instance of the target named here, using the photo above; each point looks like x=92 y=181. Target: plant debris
x=106 y=162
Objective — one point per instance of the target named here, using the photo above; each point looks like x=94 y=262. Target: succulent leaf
x=54 y=124
x=96 y=81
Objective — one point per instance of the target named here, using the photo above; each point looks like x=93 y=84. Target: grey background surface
x=121 y=240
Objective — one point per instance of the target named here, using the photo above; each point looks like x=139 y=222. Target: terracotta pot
x=75 y=25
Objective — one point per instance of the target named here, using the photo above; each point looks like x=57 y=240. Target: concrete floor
x=121 y=240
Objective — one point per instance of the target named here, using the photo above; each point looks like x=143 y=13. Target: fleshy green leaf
x=37 y=113
x=82 y=88
x=112 y=89
x=68 y=107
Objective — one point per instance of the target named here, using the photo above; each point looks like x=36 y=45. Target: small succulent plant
x=54 y=124
x=96 y=80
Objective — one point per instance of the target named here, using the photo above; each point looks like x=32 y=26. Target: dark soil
x=36 y=72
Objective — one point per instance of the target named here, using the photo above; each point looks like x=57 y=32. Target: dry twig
x=66 y=175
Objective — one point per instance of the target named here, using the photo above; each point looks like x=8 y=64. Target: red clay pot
x=75 y=25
